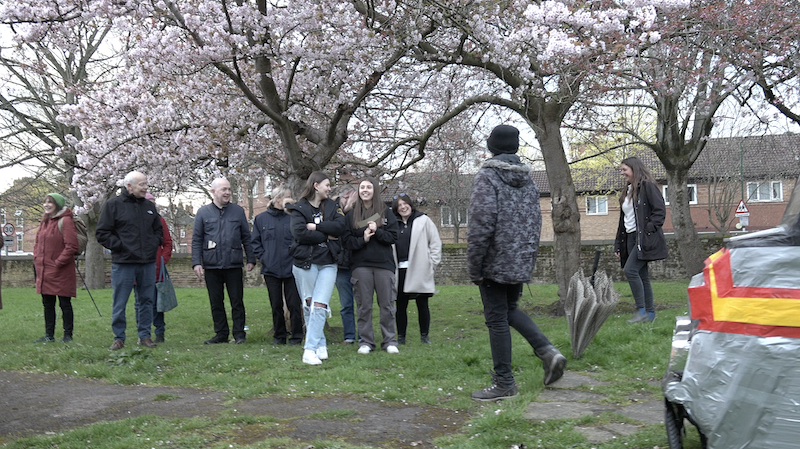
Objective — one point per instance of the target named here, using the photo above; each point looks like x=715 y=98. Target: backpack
x=83 y=234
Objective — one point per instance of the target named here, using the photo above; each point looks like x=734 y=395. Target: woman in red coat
x=54 y=260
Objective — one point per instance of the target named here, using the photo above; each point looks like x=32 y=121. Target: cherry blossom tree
x=54 y=53
x=210 y=81
x=541 y=57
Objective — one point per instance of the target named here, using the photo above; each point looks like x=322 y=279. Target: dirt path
x=32 y=404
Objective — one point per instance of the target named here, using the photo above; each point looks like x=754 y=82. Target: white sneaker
x=364 y=349
x=310 y=357
x=392 y=350
x=322 y=352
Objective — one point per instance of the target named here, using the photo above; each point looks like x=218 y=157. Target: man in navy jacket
x=220 y=243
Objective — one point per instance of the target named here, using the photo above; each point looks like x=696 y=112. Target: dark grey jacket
x=229 y=231
x=505 y=221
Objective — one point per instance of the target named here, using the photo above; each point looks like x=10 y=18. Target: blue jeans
x=501 y=314
x=345 y=288
x=158 y=317
x=638 y=277
x=124 y=278
x=315 y=286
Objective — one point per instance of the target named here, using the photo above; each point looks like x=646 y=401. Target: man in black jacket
x=220 y=242
x=131 y=228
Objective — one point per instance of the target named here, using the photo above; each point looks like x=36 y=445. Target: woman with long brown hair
x=371 y=232
x=640 y=238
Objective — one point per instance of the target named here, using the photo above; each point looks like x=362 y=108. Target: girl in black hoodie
x=371 y=232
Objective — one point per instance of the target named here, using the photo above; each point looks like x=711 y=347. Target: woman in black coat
x=640 y=238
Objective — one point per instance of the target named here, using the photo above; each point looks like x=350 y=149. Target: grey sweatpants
x=367 y=280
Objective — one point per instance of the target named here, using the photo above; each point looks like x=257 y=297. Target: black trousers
x=217 y=280
x=278 y=289
x=49 y=303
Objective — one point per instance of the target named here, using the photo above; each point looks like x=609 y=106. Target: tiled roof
x=753 y=157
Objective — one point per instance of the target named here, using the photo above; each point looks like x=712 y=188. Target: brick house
x=762 y=170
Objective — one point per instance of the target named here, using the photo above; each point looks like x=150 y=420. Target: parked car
x=734 y=369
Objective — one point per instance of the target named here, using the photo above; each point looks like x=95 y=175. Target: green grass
x=629 y=358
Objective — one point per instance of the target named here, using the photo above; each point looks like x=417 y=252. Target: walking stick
x=87 y=287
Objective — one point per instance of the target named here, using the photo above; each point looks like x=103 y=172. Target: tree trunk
x=94 y=265
x=566 y=216
x=691 y=253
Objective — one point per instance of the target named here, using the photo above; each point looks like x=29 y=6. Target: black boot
x=424 y=338
x=554 y=363
x=401 y=339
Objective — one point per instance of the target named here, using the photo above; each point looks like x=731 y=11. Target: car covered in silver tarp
x=734 y=369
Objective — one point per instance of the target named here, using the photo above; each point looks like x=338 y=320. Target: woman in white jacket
x=419 y=251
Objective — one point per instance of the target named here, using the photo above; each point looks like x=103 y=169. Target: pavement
x=38 y=403
x=568 y=399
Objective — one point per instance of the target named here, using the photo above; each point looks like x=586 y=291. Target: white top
x=630 y=217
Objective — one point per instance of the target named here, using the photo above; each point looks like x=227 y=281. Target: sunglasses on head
x=400 y=196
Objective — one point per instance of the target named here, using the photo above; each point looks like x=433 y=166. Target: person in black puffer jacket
x=272 y=238
x=505 y=221
x=317 y=223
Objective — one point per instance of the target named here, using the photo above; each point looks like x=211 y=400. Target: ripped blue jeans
x=315 y=286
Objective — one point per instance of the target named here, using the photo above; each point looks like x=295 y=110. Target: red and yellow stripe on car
x=722 y=306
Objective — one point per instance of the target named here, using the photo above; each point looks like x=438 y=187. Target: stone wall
x=18 y=270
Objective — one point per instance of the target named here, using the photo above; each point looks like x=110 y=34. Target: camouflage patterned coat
x=505 y=221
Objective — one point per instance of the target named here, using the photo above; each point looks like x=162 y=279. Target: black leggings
x=49 y=303
x=402 y=307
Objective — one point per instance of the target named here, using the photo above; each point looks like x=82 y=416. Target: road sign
x=742 y=210
x=8 y=229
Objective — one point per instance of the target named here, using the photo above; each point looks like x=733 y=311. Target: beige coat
x=424 y=255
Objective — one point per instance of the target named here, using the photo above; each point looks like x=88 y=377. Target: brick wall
x=18 y=271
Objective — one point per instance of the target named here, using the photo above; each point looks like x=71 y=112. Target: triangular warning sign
x=742 y=208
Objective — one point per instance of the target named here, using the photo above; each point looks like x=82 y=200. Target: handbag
x=166 y=299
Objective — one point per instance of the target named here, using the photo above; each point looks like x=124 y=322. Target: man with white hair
x=131 y=228
x=220 y=243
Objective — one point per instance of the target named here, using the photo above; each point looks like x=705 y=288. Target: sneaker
x=639 y=318
x=159 y=338
x=310 y=357
x=364 y=349
x=146 y=342
x=240 y=341
x=45 y=339
x=278 y=341
x=66 y=339
x=495 y=392
x=216 y=339
x=118 y=344
x=349 y=341
x=392 y=350
x=322 y=352
x=554 y=363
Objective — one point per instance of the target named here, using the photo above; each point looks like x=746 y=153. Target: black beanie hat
x=503 y=139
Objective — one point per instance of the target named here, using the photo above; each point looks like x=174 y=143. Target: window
x=183 y=233
x=255 y=189
x=597 y=205
x=447 y=216
x=19 y=241
x=267 y=190
x=692 y=193
x=3 y=217
x=765 y=191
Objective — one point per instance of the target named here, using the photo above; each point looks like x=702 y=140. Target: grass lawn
x=629 y=357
